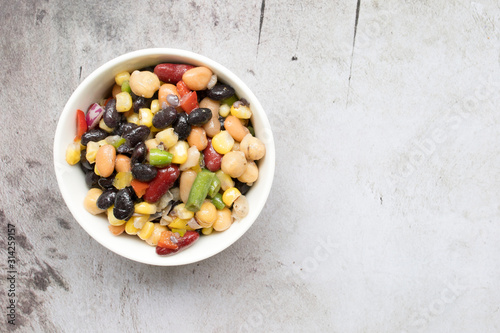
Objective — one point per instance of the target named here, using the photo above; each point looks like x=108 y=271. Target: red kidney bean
x=171 y=73
x=184 y=242
x=164 y=179
x=212 y=158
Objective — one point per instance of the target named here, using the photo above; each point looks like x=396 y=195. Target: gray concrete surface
x=384 y=215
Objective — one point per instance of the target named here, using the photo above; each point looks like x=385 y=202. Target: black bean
x=111 y=116
x=124 y=205
x=144 y=172
x=220 y=92
x=139 y=102
x=165 y=117
x=149 y=69
x=199 y=116
x=107 y=182
x=221 y=121
x=139 y=153
x=106 y=199
x=136 y=135
x=124 y=148
x=95 y=135
x=118 y=130
x=83 y=160
x=182 y=127
x=242 y=187
x=201 y=94
x=134 y=196
x=91 y=179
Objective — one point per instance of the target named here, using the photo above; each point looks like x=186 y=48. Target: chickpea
x=224 y=220
x=211 y=104
x=207 y=214
x=122 y=163
x=144 y=83
x=192 y=160
x=234 y=163
x=213 y=126
x=105 y=160
x=197 y=78
x=90 y=201
x=151 y=143
x=198 y=138
x=186 y=181
x=251 y=173
x=240 y=207
x=253 y=148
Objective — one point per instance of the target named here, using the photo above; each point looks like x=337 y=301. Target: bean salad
x=169 y=156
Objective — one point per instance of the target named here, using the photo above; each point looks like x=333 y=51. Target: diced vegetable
x=199 y=190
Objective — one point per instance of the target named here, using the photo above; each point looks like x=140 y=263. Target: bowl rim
x=193 y=57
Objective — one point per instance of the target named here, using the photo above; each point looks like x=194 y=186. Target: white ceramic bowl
x=71 y=178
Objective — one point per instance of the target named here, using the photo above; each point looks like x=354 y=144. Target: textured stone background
x=384 y=215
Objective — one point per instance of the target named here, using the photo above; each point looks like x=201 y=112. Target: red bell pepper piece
x=81 y=124
x=189 y=102
x=182 y=88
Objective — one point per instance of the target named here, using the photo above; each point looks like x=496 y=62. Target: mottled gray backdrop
x=384 y=214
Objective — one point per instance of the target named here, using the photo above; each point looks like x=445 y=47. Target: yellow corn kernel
x=134 y=119
x=151 y=144
x=207 y=231
x=122 y=180
x=196 y=168
x=224 y=110
x=168 y=137
x=123 y=102
x=242 y=112
x=146 y=231
x=112 y=219
x=122 y=77
x=130 y=228
x=155 y=236
x=181 y=212
x=222 y=142
x=180 y=152
x=230 y=195
x=145 y=117
x=96 y=171
x=178 y=223
x=102 y=143
x=226 y=181
x=181 y=232
x=145 y=208
x=73 y=153
x=102 y=125
x=155 y=106
x=92 y=148
x=140 y=220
